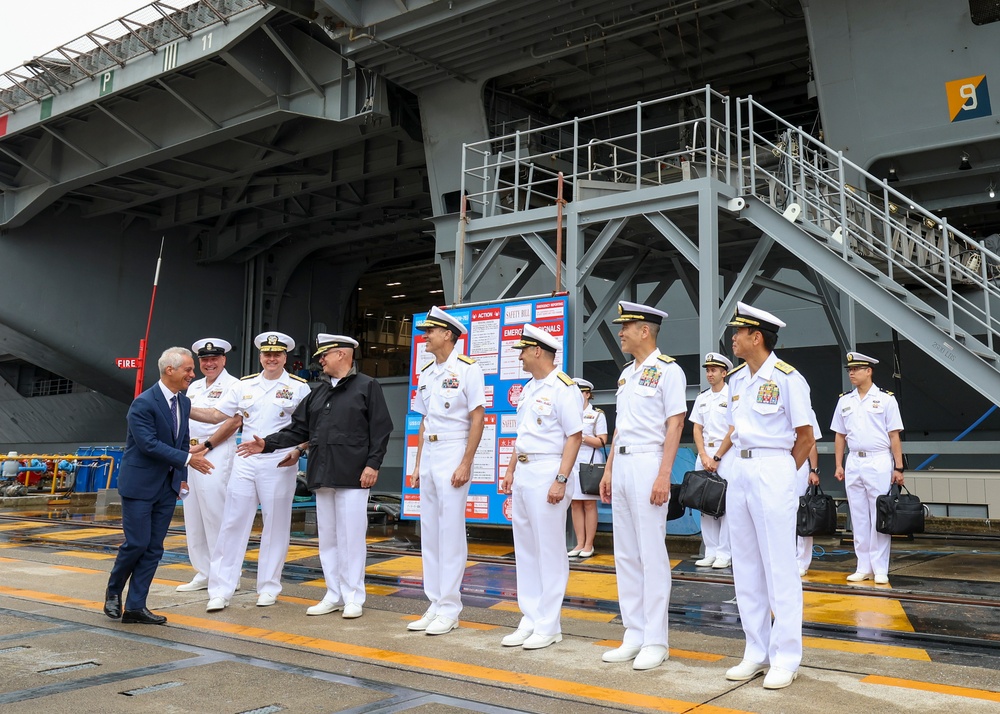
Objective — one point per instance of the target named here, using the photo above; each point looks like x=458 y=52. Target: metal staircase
x=935 y=285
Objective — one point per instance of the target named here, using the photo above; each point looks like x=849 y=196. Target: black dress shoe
x=113 y=605
x=142 y=617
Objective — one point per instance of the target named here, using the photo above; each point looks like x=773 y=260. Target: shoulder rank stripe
x=466 y=359
x=704 y=390
x=844 y=394
x=629 y=364
x=784 y=367
x=566 y=379
x=598 y=409
x=736 y=369
x=666 y=358
x=250 y=376
x=427 y=365
x=298 y=378
x=886 y=391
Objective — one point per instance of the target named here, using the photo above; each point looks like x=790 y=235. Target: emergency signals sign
x=493 y=330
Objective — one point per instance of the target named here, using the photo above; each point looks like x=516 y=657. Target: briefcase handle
x=814 y=490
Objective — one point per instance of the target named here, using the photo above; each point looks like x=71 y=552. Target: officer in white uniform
x=584 y=506
x=770 y=413
x=207 y=492
x=451 y=398
x=710 y=428
x=549 y=432
x=867 y=420
x=266 y=401
x=807 y=475
x=651 y=407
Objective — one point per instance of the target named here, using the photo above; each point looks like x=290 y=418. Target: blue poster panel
x=493 y=331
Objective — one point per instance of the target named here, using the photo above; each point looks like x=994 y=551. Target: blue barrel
x=92 y=476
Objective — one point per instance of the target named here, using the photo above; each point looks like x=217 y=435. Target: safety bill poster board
x=493 y=329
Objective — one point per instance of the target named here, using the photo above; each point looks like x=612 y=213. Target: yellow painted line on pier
x=79 y=534
x=867 y=648
x=949 y=689
x=19 y=525
x=855 y=611
x=568 y=612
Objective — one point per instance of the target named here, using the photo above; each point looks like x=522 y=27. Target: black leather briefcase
x=899 y=513
x=704 y=491
x=675 y=508
x=817 y=514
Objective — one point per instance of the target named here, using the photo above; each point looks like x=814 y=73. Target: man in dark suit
x=152 y=470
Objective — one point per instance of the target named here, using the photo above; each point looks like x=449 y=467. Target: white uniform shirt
x=219 y=396
x=448 y=392
x=594 y=423
x=709 y=411
x=867 y=422
x=267 y=406
x=766 y=407
x=649 y=394
x=549 y=410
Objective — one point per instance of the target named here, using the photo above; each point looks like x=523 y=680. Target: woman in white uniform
x=584 y=506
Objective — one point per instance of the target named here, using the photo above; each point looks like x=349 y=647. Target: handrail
x=116 y=43
x=56 y=458
x=904 y=241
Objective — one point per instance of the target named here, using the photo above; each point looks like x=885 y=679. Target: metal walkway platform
x=925 y=643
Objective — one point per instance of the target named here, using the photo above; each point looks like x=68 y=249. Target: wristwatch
x=208 y=445
x=717 y=458
x=899 y=468
x=561 y=478
x=814 y=471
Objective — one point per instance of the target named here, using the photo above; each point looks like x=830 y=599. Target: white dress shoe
x=778 y=678
x=621 y=654
x=586 y=553
x=881 y=579
x=193 y=586
x=573 y=553
x=266 y=600
x=859 y=577
x=441 y=626
x=216 y=604
x=650 y=657
x=421 y=624
x=537 y=642
x=323 y=607
x=745 y=670
x=516 y=638
x=802 y=572
x=722 y=563
x=705 y=562
x=351 y=610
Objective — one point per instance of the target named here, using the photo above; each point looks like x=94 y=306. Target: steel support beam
x=744 y=280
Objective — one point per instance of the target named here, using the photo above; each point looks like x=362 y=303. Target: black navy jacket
x=347 y=427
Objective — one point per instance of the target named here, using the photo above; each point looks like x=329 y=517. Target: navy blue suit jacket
x=152 y=452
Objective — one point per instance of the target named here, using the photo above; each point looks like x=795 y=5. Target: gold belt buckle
x=432 y=437
x=523 y=458
x=194 y=442
x=863 y=454
x=711 y=443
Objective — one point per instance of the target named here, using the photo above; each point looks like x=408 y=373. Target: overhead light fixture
x=991 y=190
x=390 y=285
x=435 y=292
x=892 y=177
x=401 y=295
x=965 y=165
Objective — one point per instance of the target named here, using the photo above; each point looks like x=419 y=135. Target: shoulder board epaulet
x=427 y=365
x=734 y=370
x=704 y=390
x=886 y=391
x=566 y=379
x=298 y=378
x=784 y=367
x=844 y=394
x=666 y=358
x=466 y=359
x=629 y=364
x=598 y=409
x=250 y=376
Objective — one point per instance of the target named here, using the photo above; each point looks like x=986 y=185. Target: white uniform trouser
x=642 y=564
x=342 y=522
x=715 y=531
x=254 y=480
x=539 y=546
x=203 y=508
x=761 y=506
x=443 y=545
x=803 y=546
x=867 y=479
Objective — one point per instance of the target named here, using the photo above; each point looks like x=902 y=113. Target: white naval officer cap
x=326 y=342
x=716 y=359
x=211 y=347
x=750 y=316
x=856 y=359
x=583 y=384
x=436 y=317
x=635 y=312
x=274 y=342
x=532 y=336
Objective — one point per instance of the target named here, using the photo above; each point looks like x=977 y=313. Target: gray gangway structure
x=722 y=202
